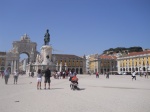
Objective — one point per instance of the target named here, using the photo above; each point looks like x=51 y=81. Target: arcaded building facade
x=136 y=61
x=69 y=62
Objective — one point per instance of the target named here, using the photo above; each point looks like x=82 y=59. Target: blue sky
x=76 y=26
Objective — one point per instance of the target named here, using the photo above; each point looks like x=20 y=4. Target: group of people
x=59 y=75
x=6 y=75
x=47 y=75
x=107 y=75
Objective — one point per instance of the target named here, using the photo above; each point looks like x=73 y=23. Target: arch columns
x=14 y=65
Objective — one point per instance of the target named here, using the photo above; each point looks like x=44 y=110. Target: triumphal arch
x=23 y=46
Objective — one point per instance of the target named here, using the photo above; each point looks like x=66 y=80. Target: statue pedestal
x=46 y=52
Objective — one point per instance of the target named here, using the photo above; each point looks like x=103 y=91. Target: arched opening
x=81 y=71
x=144 y=69
x=107 y=70
x=23 y=61
x=132 y=69
x=2 y=69
x=120 y=69
x=77 y=70
x=102 y=71
x=123 y=69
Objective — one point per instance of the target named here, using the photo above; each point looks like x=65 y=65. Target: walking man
x=47 y=77
x=133 y=75
x=107 y=75
x=6 y=75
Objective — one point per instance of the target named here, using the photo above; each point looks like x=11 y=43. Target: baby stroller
x=74 y=86
x=74 y=83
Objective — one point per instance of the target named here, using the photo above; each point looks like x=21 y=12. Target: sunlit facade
x=136 y=61
x=93 y=63
x=71 y=62
x=103 y=63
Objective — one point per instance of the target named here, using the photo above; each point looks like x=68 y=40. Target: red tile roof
x=66 y=56
x=138 y=53
x=107 y=57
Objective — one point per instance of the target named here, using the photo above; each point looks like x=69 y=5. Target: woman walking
x=16 y=76
x=39 y=79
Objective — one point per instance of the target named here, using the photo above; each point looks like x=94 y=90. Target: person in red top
x=74 y=79
x=97 y=75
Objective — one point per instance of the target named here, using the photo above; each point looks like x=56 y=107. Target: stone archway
x=28 y=61
x=19 y=47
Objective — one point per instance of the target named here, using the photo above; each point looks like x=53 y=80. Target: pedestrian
x=29 y=74
x=107 y=75
x=145 y=74
x=64 y=74
x=134 y=75
x=39 y=78
x=32 y=74
x=47 y=77
x=71 y=74
x=58 y=75
x=16 y=74
x=97 y=75
x=2 y=75
x=6 y=75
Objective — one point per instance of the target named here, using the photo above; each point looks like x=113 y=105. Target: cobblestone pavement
x=116 y=94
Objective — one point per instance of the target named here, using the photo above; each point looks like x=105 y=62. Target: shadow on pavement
x=51 y=89
x=124 y=88
x=81 y=89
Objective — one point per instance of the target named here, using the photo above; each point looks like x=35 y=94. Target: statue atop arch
x=46 y=37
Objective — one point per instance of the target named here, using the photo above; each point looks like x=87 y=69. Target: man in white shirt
x=133 y=75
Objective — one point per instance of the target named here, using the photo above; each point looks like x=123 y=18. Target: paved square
x=116 y=94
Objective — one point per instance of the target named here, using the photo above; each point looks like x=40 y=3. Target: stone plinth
x=46 y=52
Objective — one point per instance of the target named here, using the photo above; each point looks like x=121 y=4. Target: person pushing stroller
x=74 y=81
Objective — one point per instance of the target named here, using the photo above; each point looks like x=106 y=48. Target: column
x=118 y=66
x=12 y=66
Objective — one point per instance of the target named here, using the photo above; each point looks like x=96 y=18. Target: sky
x=79 y=27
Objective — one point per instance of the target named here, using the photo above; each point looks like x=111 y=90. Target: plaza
x=116 y=94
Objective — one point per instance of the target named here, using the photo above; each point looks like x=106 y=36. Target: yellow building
x=107 y=63
x=102 y=63
x=136 y=61
x=70 y=62
x=93 y=63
